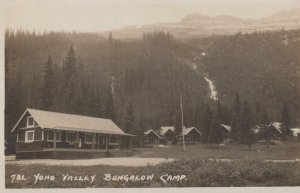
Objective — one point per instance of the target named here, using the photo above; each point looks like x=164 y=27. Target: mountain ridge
x=200 y=25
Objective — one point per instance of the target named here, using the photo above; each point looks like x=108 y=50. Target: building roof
x=147 y=132
x=71 y=122
x=186 y=131
x=295 y=131
x=227 y=127
x=277 y=126
x=164 y=130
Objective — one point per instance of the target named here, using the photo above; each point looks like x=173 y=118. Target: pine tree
x=286 y=120
x=109 y=105
x=130 y=120
x=246 y=134
x=235 y=117
x=131 y=125
x=177 y=122
x=264 y=116
x=70 y=71
x=206 y=120
x=47 y=90
x=216 y=135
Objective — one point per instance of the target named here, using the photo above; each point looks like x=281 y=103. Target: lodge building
x=45 y=134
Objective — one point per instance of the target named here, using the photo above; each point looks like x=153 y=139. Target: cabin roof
x=72 y=122
x=277 y=126
x=186 y=131
x=147 y=132
x=227 y=127
x=165 y=129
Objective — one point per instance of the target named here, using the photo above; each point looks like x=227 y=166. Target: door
x=101 y=142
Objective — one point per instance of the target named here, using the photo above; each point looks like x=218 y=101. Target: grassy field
x=192 y=168
x=258 y=151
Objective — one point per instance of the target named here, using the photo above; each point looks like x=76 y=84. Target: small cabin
x=296 y=134
x=167 y=135
x=151 y=137
x=271 y=131
x=226 y=129
x=274 y=131
x=45 y=134
x=191 y=136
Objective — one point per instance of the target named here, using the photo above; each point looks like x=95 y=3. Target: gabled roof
x=147 y=132
x=277 y=126
x=186 y=131
x=227 y=127
x=164 y=130
x=62 y=121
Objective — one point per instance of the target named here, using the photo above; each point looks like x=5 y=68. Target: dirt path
x=124 y=161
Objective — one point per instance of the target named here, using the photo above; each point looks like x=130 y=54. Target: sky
x=98 y=15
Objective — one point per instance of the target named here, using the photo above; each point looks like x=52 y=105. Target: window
x=89 y=138
x=50 y=136
x=101 y=139
x=29 y=136
x=113 y=139
x=70 y=137
x=58 y=136
x=31 y=122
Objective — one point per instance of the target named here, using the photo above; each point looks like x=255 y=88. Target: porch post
x=106 y=141
x=54 y=143
x=93 y=143
x=120 y=141
x=130 y=143
x=43 y=138
x=76 y=139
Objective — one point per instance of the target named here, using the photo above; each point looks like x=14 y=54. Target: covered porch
x=70 y=139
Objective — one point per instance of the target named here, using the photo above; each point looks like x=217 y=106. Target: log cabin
x=167 y=135
x=191 y=136
x=45 y=134
x=296 y=134
x=151 y=137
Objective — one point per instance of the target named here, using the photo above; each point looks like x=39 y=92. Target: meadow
x=277 y=151
x=196 y=167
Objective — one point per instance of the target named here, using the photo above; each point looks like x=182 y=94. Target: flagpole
x=182 y=127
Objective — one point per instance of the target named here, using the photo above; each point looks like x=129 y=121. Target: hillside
x=138 y=83
x=263 y=68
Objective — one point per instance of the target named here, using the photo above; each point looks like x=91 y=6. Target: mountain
x=197 y=18
x=199 y=25
x=292 y=16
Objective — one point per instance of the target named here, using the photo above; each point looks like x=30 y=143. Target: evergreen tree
x=235 y=117
x=47 y=90
x=264 y=117
x=177 y=122
x=131 y=125
x=70 y=71
x=130 y=120
x=35 y=90
x=286 y=120
x=246 y=134
x=206 y=120
x=109 y=105
x=216 y=135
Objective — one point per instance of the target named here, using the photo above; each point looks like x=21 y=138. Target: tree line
x=135 y=83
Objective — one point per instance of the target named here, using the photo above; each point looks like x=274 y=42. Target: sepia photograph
x=151 y=94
